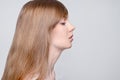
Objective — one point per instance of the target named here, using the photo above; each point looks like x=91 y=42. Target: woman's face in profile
x=62 y=35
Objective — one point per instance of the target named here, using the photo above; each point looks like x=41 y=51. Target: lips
x=71 y=37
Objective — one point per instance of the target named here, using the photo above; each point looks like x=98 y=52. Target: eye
x=62 y=23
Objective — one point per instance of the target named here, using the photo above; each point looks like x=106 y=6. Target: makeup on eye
x=62 y=23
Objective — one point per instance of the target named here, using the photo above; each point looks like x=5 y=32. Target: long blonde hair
x=30 y=47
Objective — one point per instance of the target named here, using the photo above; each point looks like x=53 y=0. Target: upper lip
x=70 y=36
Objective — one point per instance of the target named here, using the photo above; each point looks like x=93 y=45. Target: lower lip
x=71 y=39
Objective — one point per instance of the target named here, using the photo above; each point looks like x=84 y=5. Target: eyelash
x=63 y=23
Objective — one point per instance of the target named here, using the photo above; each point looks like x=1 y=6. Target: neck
x=54 y=54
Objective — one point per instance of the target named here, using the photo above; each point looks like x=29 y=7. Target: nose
x=72 y=28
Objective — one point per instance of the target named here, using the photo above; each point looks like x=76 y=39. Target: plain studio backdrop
x=95 y=54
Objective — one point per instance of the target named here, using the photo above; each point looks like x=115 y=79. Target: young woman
x=42 y=33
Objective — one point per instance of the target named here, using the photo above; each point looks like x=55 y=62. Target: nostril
x=73 y=28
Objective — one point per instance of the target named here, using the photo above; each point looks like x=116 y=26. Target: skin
x=61 y=35
x=61 y=38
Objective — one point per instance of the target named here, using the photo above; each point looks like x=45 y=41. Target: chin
x=69 y=46
x=65 y=46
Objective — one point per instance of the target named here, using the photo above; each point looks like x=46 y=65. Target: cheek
x=60 y=34
x=61 y=40
x=59 y=37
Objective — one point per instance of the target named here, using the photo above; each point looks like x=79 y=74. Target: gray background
x=95 y=54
